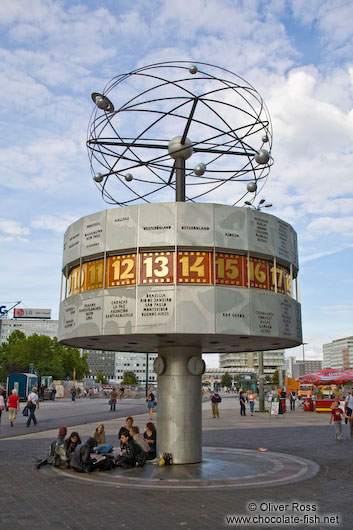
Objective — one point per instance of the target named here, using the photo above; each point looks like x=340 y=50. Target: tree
x=226 y=380
x=48 y=356
x=129 y=378
x=101 y=378
x=275 y=378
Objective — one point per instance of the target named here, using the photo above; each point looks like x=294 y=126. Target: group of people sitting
x=71 y=452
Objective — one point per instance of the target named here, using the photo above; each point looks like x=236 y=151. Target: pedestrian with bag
x=32 y=405
x=215 y=399
x=113 y=398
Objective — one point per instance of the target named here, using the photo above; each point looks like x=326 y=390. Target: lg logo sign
x=3 y=310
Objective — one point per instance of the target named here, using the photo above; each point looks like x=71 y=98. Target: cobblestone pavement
x=42 y=499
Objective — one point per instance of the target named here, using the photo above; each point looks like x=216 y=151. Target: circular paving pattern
x=222 y=468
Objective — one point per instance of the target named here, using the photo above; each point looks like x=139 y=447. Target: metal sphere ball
x=128 y=177
x=178 y=150
x=102 y=102
x=262 y=157
x=193 y=69
x=98 y=177
x=265 y=139
x=200 y=169
x=252 y=187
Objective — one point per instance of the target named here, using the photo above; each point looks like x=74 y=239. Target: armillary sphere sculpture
x=180 y=277
x=175 y=126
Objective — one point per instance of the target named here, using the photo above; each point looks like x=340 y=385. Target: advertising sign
x=31 y=313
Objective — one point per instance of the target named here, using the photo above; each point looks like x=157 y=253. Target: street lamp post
x=304 y=344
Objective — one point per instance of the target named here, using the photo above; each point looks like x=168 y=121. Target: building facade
x=249 y=361
x=338 y=354
x=114 y=364
x=28 y=326
x=306 y=367
x=100 y=362
x=288 y=366
x=135 y=362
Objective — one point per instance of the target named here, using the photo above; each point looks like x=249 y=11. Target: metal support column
x=261 y=382
x=179 y=419
x=146 y=374
x=180 y=179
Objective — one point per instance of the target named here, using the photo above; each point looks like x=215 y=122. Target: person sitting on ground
x=126 y=428
x=71 y=443
x=138 y=439
x=128 y=451
x=99 y=435
x=150 y=435
x=81 y=459
x=56 y=452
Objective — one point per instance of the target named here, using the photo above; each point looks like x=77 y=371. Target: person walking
x=348 y=408
x=73 y=394
x=53 y=393
x=113 y=399
x=32 y=404
x=242 y=403
x=151 y=403
x=336 y=416
x=293 y=398
x=14 y=406
x=251 y=401
x=41 y=392
x=215 y=399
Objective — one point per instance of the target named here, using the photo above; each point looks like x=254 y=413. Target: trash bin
x=308 y=404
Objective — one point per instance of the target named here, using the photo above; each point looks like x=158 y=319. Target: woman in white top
x=2 y=403
x=32 y=404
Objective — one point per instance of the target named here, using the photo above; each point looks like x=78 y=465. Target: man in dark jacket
x=81 y=459
x=131 y=453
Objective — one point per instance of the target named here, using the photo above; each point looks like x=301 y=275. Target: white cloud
x=51 y=222
x=13 y=228
x=338 y=309
x=311 y=257
x=324 y=225
x=13 y=231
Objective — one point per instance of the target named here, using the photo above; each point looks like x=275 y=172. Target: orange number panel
x=259 y=273
x=156 y=267
x=195 y=267
x=74 y=281
x=121 y=270
x=92 y=275
x=230 y=269
x=283 y=279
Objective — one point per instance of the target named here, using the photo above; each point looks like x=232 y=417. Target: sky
x=297 y=54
